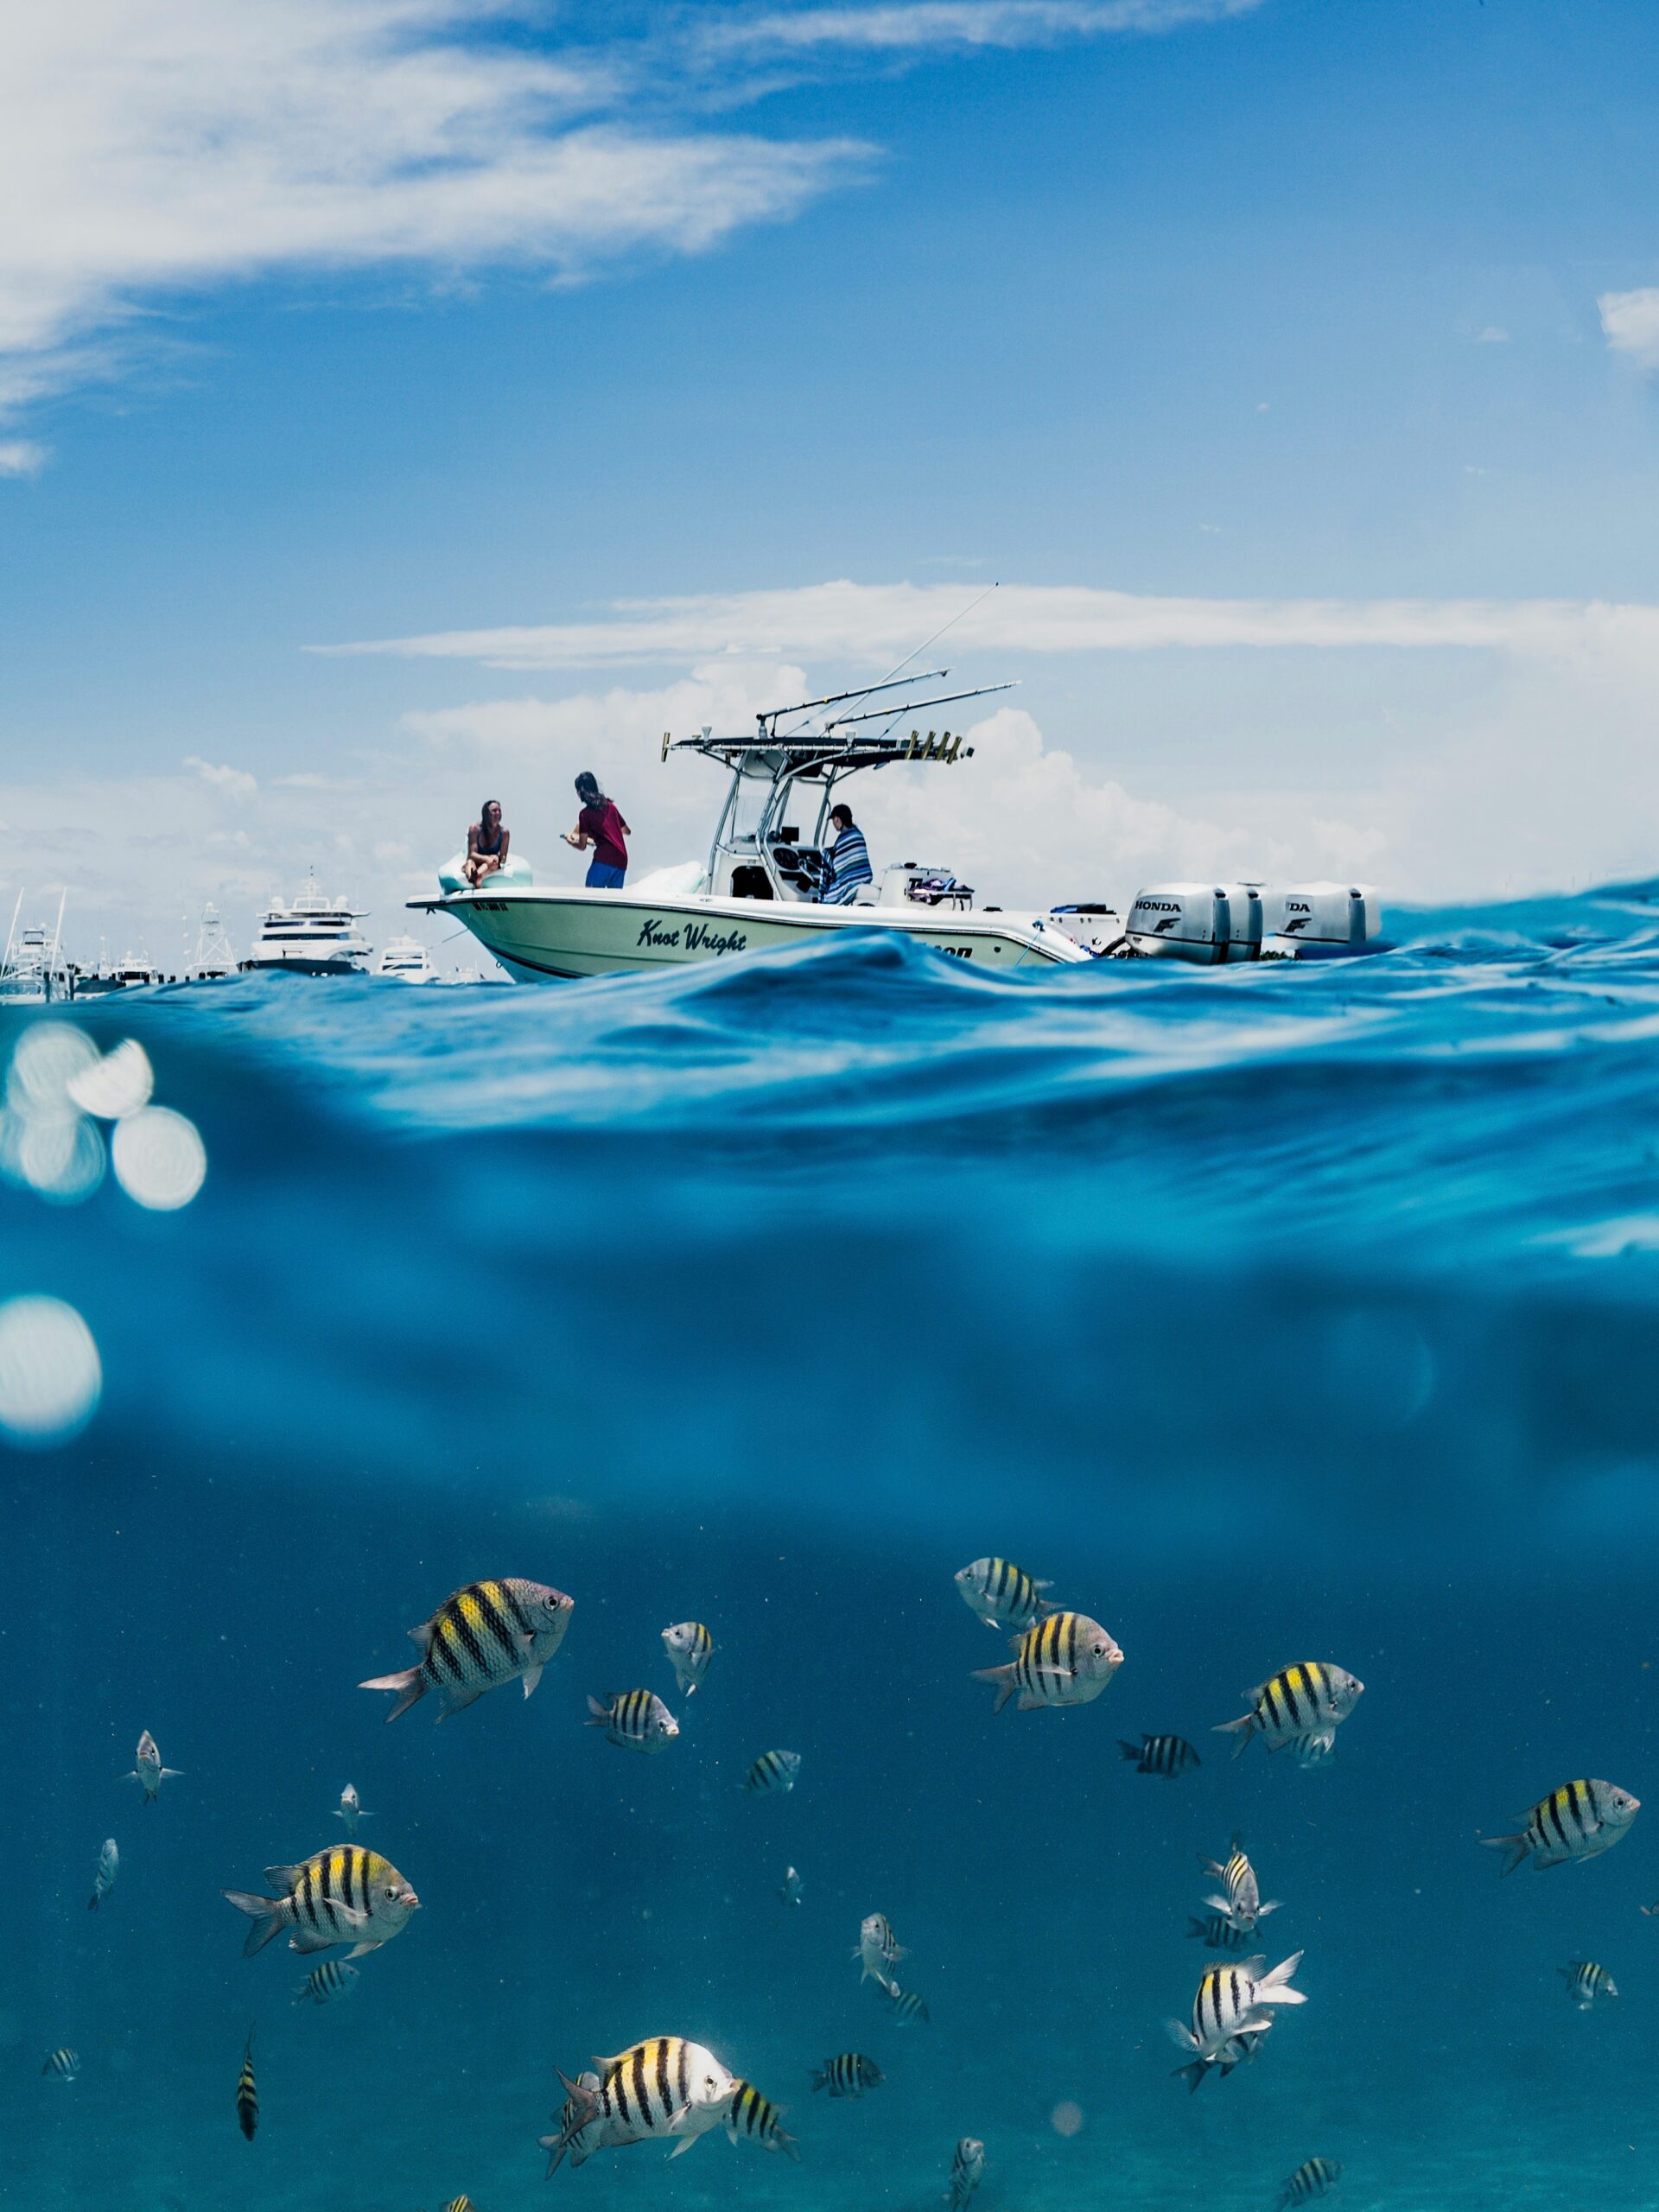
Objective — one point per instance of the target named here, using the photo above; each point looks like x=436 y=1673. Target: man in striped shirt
x=848 y=861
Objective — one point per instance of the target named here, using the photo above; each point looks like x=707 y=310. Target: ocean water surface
x=1274 y=1314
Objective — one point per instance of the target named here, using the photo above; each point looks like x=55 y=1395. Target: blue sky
x=392 y=319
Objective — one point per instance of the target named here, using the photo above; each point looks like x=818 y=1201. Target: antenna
x=835 y=699
x=11 y=934
x=915 y=706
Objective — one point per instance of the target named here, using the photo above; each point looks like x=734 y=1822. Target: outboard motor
x=1319 y=920
x=1207 y=923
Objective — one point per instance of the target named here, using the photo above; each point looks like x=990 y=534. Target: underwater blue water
x=1275 y=1313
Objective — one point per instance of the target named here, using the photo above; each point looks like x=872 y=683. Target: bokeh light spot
x=50 y=1376
x=119 y=1083
x=1066 y=2117
x=160 y=1158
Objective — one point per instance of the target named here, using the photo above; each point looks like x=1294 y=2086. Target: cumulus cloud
x=22 y=457
x=863 y=623
x=231 y=783
x=1630 y=322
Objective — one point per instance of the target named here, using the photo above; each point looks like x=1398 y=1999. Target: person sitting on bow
x=487 y=843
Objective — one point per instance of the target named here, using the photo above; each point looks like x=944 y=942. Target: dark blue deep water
x=1274 y=1314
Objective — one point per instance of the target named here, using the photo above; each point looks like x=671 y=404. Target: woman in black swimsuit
x=487 y=843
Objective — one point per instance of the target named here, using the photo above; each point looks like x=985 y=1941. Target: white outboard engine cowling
x=1318 y=918
x=1207 y=923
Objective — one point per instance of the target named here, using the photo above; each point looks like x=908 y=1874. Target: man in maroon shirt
x=600 y=825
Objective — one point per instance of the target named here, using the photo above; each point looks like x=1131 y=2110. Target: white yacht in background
x=314 y=935
x=212 y=959
x=406 y=960
x=32 y=967
x=129 y=974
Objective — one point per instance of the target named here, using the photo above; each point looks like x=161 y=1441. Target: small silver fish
x=351 y=1809
x=967 y=2171
x=109 y=1868
x=689 y=1649
x=1312 y=2178
x=62 y=2065
x=877 y=1949
x=789 y=1892
x=149 y=1772
x=334 y=1978
x=772 y=1770
x=1587 y=1984
x=1242 y=1905
x=637 y=1719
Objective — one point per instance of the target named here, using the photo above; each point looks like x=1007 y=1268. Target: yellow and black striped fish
x=967 y=2171
x=459 y=2204
x=347 y=1895
x=334 y=1978
x=1300 y=1706
x=247 y=2094
x=847 y=2075
x=774 y=1771
x=1065 y=1660
x=757 y=2120
x=1002 y=1594
x=664 y=2086
x=1241 y=1904
x=1166 y=1755
x=65 y=2065
x=1217 y=1933
x=638 y=1719
x=1587 y=1984
x=689 y=1647
x=483 y=1635
x=1314 y=2178
x=904 y=2004
x=1577 y=1821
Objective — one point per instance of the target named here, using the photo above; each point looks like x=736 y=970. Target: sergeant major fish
x=638 y=1719
x=1167 y=1755
x=148 y=1771
x=109 y=1869
x=334 y=1978
x=1217 y=1933
x=346 y=1895
x=62 y=2065
x=661 y=2088
x=689 y=1649
x=1233 y=2008
x=1003 y=1595
x=1587 y=1984
x=1065 y=1660
x=1300 y=1706
x=877 y=1948
x=904 y=2004
x=789 y=1891
x=772 y=1770
x=1579 y=1820
x=247 y=2093
x=1241 y=1907
x=1314 y=2178
x=848 y=2074
x=483 y=1635
x=755 y=2118
x=351 y=1809
x=967 y=2171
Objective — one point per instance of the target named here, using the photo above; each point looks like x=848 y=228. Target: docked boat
x=128 y=974
x=314 y=935
x=32 y=968
x=406 y=960
x=759 y=889
x=212 y=959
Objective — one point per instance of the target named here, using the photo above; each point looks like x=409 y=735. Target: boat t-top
x=32 y=967
x=759 y=888
x=315 y=936
x=212 y=959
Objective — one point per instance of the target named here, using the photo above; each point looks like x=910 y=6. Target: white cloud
x=1630 y=322
x=905 y=26
x=873 y=624
x=231 y=783
x=149 y=147
x=22 y=457
x=1492 y=335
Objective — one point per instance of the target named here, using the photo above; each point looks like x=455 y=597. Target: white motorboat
x=406 y=960
x=128 y=974
x=32 y=967
x=759 y=889
x=314 y=935
x=212 y=959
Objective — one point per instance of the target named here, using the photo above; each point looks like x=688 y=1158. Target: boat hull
x=543 y=935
